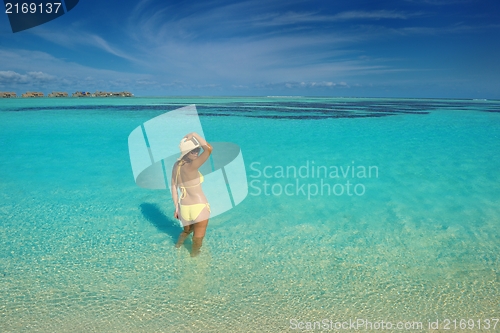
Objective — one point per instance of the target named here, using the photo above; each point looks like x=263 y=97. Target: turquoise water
x=86 y=250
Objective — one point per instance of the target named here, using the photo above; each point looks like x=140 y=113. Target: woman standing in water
x=191 y=207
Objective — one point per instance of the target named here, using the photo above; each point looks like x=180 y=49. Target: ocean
x=367 y=214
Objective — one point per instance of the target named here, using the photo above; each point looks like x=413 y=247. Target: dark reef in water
x=294 y=110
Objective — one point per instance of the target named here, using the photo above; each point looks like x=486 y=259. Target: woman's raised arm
x=207 y=150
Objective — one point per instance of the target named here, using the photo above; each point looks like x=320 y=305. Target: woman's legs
x=182 y=237
x=200 y=229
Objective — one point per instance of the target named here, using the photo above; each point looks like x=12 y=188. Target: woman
x=191 y=207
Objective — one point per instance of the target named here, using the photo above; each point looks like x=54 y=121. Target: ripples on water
x=85 y=249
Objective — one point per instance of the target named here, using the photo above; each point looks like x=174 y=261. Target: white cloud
x=373 y=15
x=302 y=85
x=72 y=39
x=146 y=82
x=440 y=2
x=41 y=77
x=13 y=78
x=294 y=18
x=23 y=69
x=9 y=77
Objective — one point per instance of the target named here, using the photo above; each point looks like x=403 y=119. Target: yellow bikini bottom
x=191 y=212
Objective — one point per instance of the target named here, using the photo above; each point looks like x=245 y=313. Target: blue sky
x=405 y=48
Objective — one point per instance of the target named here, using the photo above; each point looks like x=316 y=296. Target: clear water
x=83 y=249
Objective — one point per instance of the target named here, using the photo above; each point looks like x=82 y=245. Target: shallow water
x=85 y=249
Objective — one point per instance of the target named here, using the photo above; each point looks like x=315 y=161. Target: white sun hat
x=187 y=145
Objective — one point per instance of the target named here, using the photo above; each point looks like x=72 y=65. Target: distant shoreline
x=13 y=95
x=60 y=94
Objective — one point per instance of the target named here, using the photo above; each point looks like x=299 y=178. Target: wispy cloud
x=367 y=32
x=299 y=85
x=293 y=18
x=440 y=2
x=373 y=15
x=73 y=39
x=102 y=44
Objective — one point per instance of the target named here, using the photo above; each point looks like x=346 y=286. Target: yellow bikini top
x=183 y=188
